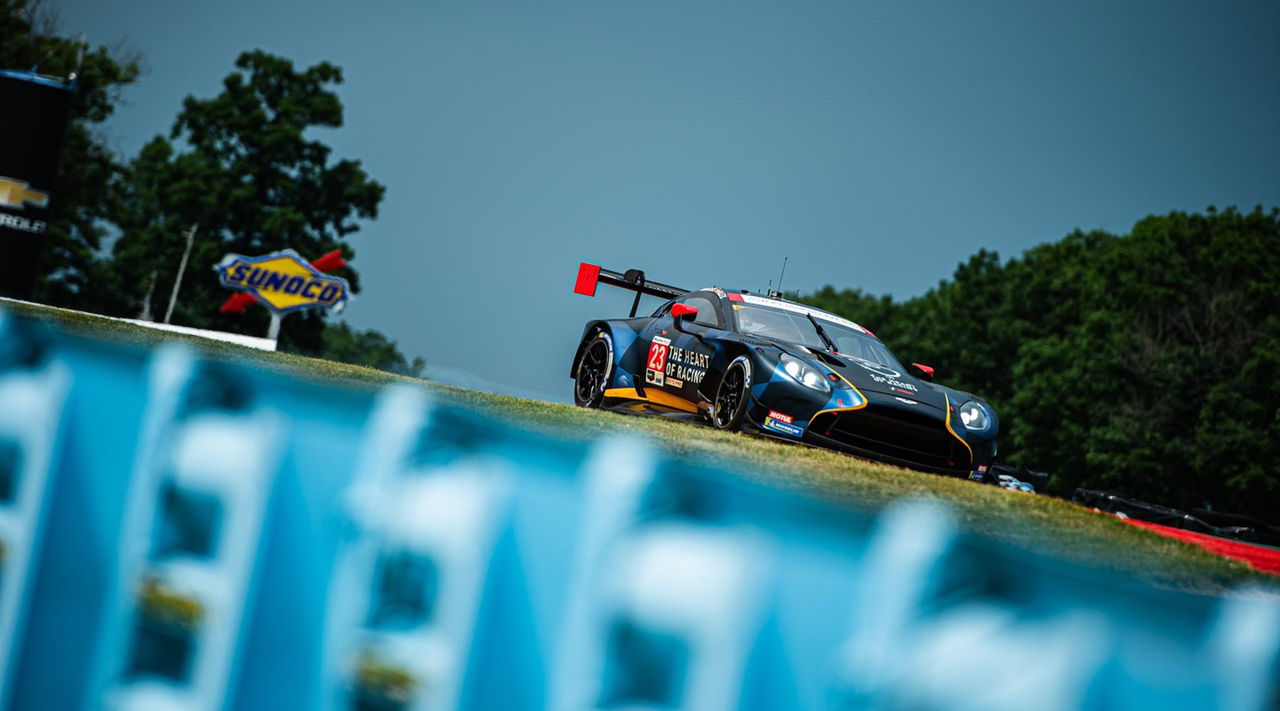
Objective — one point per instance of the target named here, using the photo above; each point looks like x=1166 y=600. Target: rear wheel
x=732 y=396
x=594 y=369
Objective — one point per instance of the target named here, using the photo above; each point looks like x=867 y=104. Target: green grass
x=1051 y=526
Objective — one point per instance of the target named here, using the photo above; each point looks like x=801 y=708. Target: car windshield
x=795 y=327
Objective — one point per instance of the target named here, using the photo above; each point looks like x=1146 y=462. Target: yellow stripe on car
x=953 y=432
x=655 y=396
x=851 y=387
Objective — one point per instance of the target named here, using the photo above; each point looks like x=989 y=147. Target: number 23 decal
x=656 y=366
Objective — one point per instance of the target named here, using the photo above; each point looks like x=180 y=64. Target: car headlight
x=803 y=373
x=974 y=416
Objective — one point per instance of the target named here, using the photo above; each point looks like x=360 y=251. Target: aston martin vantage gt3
x=766 y=365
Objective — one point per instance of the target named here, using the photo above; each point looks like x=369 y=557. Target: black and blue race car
x=762 y=364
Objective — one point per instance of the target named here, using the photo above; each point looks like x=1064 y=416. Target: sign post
x=182 y=269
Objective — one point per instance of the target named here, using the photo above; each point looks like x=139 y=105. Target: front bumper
x=885 y=433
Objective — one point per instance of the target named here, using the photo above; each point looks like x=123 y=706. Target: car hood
x=871 y=377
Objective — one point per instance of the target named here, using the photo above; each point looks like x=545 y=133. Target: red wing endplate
x=590 y=275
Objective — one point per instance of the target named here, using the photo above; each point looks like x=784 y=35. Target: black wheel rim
x=729 y=397
x=592 y=371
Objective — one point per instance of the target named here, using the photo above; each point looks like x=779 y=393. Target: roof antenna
x=784 y=271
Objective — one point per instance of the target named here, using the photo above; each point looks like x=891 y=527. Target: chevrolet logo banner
x=17 y=194
x=283 y=281
x=33 y=123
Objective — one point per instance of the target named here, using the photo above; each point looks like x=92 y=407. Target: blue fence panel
x=33 y=390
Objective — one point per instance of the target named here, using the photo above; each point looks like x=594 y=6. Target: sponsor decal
x=675 y=383
x=883 y=371
x=655 y=366
x=903 y=399
x=283 y=281
x=17 y=194
x=781 y=417
x=885 y=375
x=784 y=427
x=686 y=366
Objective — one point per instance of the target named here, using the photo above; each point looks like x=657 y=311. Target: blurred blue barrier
x=182 y=533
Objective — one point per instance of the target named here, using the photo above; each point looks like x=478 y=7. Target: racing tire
x=732 y=396
x=594 y=370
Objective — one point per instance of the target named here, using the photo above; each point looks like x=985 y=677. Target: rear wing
x=590 y=275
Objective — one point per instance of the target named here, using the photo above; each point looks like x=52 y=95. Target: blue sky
x=876 y=145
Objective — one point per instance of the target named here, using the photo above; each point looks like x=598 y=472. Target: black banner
x=33 y=120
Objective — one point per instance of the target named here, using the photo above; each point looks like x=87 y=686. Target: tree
x=28 y=39
x=1148 y=363
x=368 y=348
x=1161 y=365
x=240 y=167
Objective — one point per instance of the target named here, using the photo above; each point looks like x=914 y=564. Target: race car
x=773 y=367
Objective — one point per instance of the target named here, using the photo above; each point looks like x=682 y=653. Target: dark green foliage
x=1147 y=363
x=368 y=348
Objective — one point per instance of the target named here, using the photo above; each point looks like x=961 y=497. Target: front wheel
x=732 y=396
x=594 y=369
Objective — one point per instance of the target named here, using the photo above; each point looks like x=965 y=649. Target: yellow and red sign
x=283 y=281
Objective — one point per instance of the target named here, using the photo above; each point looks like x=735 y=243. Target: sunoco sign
x=283 y=281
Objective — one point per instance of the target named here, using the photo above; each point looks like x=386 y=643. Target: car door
x=677 y=362
x=656 y=341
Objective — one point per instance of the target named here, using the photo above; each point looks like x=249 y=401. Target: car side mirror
x=683 y=313
x=923 y=371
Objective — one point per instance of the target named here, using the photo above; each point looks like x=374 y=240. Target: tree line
x=240 y=168
x=1147 y=363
